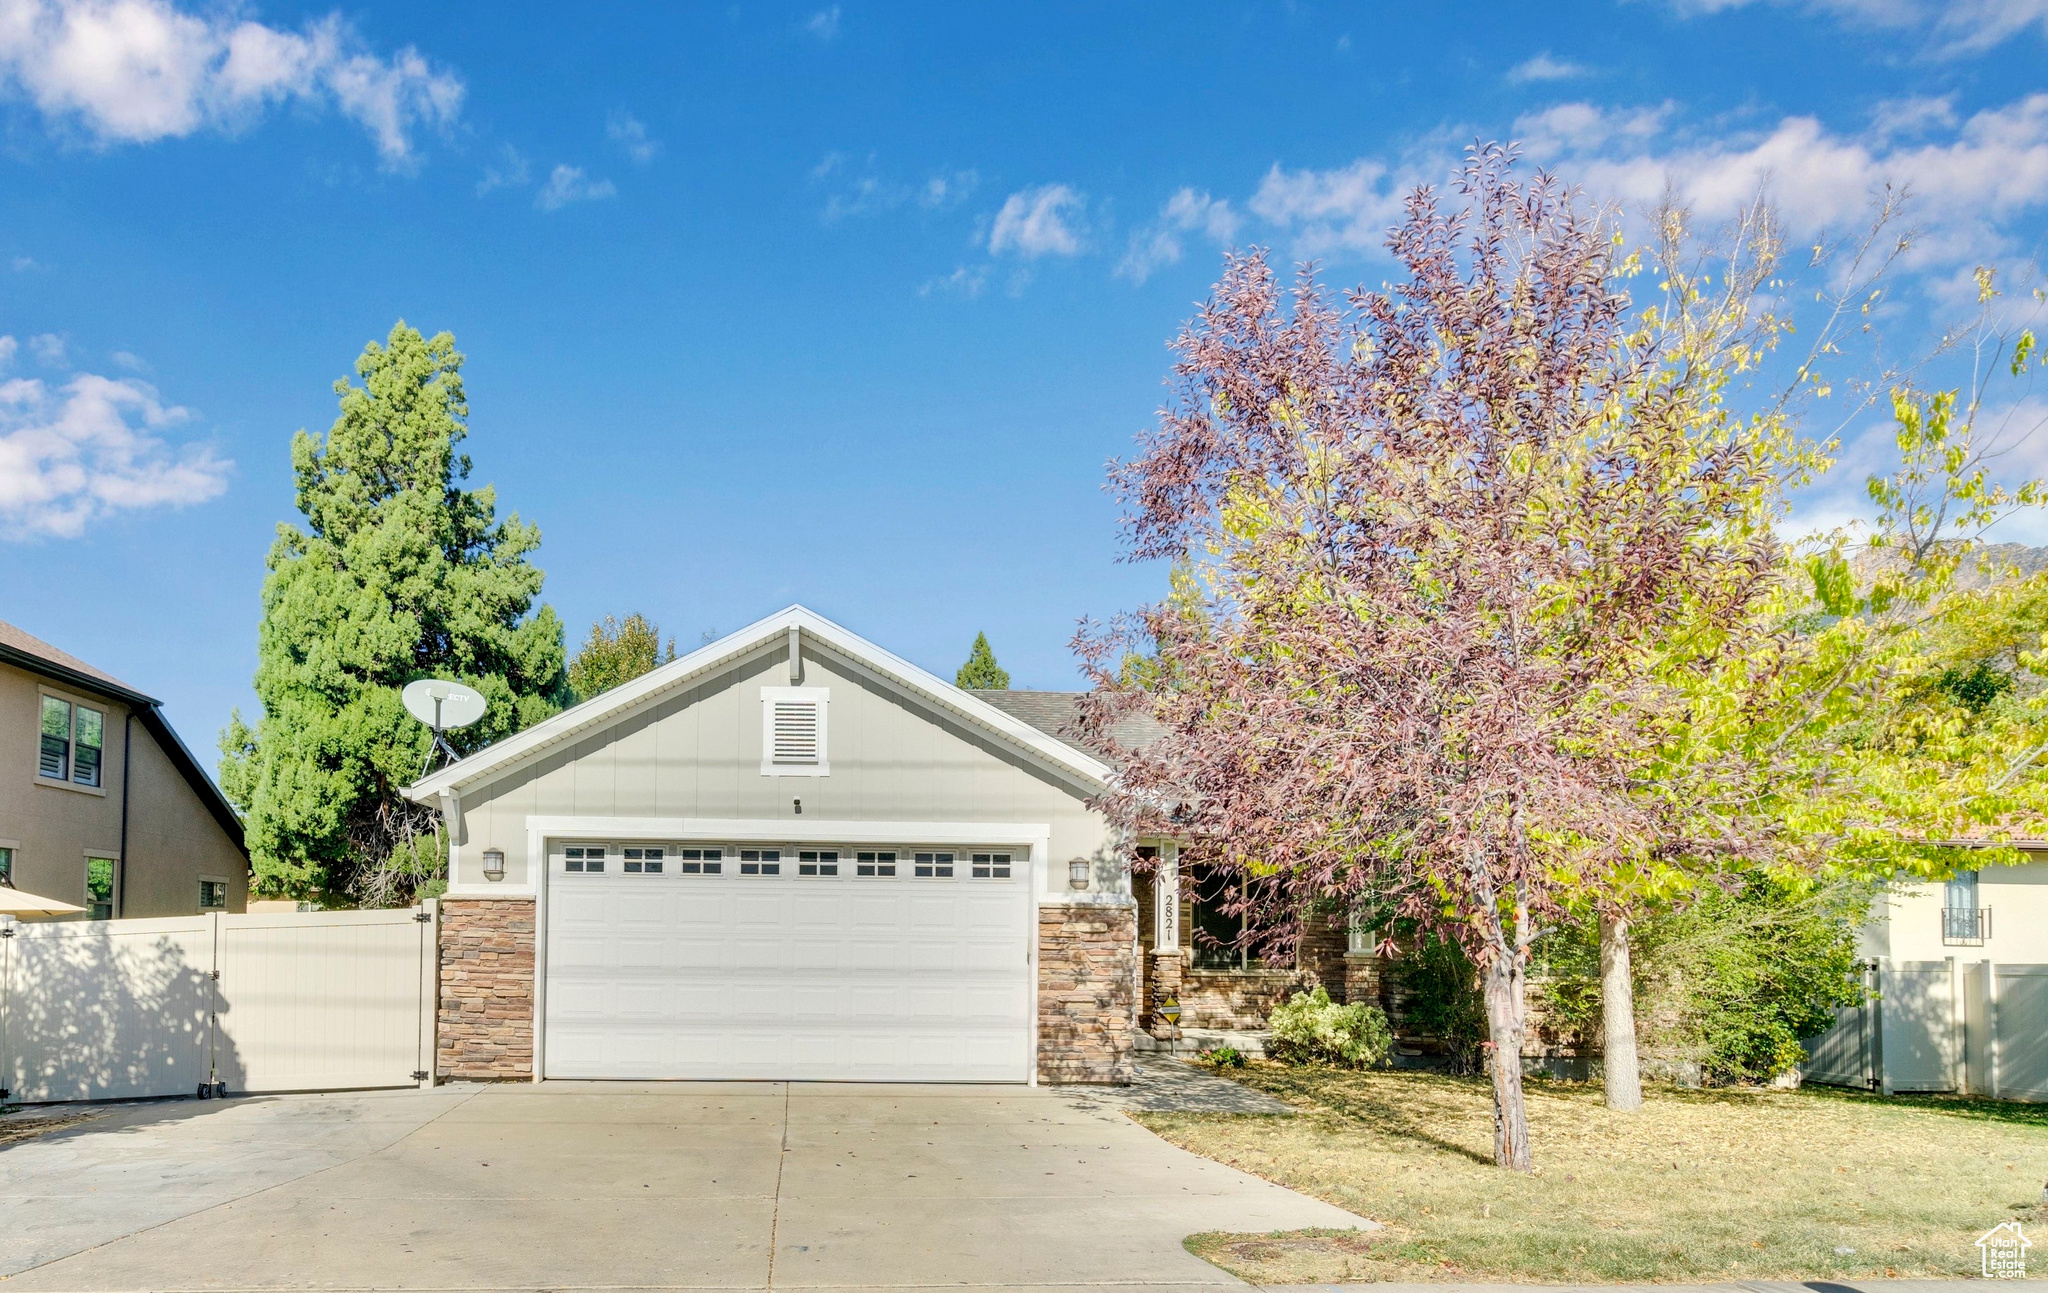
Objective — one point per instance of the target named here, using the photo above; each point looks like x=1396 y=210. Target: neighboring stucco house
x=1997 y=913
x=792 y=854
x=100 y=803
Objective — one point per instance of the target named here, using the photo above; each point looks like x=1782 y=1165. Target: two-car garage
x=857 y=962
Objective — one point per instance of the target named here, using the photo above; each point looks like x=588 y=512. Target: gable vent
x=795 y=737
x=793 y=732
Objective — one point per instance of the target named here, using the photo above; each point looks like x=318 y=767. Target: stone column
x=1167 y=962
x=1086 y=976
x=484 y=1027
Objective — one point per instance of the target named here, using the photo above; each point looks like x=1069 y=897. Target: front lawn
x=1700 y=1185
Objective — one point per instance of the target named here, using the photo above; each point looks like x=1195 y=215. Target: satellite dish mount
x=442 y=706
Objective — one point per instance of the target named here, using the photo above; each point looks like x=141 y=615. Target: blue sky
x=841 y=304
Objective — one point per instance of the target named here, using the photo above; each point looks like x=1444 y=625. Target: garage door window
x=583 y=857
x=874 y=864
x=639 y=860
x=991 y=866
x=822 y=862
x=701 y=861
x=760 y=861
x=935 y=865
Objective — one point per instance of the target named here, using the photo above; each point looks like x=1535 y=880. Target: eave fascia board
x=764 y=634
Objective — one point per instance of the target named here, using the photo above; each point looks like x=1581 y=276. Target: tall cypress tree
x=399 y=573
x=981 y=670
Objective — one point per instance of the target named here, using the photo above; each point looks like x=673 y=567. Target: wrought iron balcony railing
x=1966 y=926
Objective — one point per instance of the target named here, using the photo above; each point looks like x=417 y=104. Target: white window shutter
x=793 y=732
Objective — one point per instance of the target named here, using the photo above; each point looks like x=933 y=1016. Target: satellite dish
x=443 y=705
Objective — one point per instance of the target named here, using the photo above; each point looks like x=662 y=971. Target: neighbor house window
x=642 y=861
x=71 y=738
x=991 y=866
x=7 y=867
x=934 y=864
x=760 y=861
x=99 y=888
x=822 y=862
x=213 y=895
x=583 y=857
x=874 y=864
x=701 y=861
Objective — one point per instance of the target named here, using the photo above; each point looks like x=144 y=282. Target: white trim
x=818 y=697
x=776 y=830
x=767 y=634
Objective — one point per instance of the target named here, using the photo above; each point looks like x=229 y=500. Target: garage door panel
x=792 y=977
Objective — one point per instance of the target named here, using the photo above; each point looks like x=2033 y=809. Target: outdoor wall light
x=1077 y=873
x=494 y=864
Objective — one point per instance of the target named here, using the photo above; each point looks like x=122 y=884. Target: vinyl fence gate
x=1974 y=1027
x=305 y=1001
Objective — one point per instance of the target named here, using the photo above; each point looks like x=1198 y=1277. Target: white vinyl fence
x=1972 y=1027
x=314 y=1001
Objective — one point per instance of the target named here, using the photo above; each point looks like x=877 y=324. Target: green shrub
x=1311 y=1028
x=1225 y=1057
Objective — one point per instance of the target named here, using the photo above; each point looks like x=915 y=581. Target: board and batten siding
x=697 y=754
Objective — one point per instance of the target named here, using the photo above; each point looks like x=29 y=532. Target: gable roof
x=600 y=711
x=26 y=651
x=1057 y=713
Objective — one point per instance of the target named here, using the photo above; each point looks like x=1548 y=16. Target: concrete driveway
x=614 y=1185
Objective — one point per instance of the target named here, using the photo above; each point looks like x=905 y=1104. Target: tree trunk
x=1624 y=1076
x=1506 y=1014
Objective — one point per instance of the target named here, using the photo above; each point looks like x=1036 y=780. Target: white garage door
x=761 y=963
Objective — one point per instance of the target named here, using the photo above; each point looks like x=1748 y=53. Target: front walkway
x=581 y=1185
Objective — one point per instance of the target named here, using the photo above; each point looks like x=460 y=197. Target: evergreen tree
x=399 y=573
x=617 y=651
x=981 y=670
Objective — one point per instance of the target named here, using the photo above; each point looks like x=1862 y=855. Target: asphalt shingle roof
x=1054 y=713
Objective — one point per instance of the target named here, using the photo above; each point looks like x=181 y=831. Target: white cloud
x=1348 y=207
x=824 y=24
x=630 y=134
x=1044 y=221
x=131 y=361
x=1583 y=126
x=8 y=347
x=963 y=281
x=871 y=194
x=1958 y=26
x=48 y=348
x=1546 y=67
x=22 y=264
x=1187 y=211
x=133 y=71
x=91 y=448
x=510 y=171
x=1990 y=168
x=568 y=184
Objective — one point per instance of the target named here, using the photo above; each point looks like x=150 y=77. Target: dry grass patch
x=27 y=1126
x=1699 y=1185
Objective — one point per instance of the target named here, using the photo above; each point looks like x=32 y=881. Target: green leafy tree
x=981 y=670
x=398 y=573
x=617 y=651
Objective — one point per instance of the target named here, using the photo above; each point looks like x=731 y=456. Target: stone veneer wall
x=1320 y=953
x=1087 y=986
x=484 y=1028
x=1234 y=999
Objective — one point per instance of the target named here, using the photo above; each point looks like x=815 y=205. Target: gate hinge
x=7 y=933
x=420 y=1075
x=214 y=975
x=423 y=916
